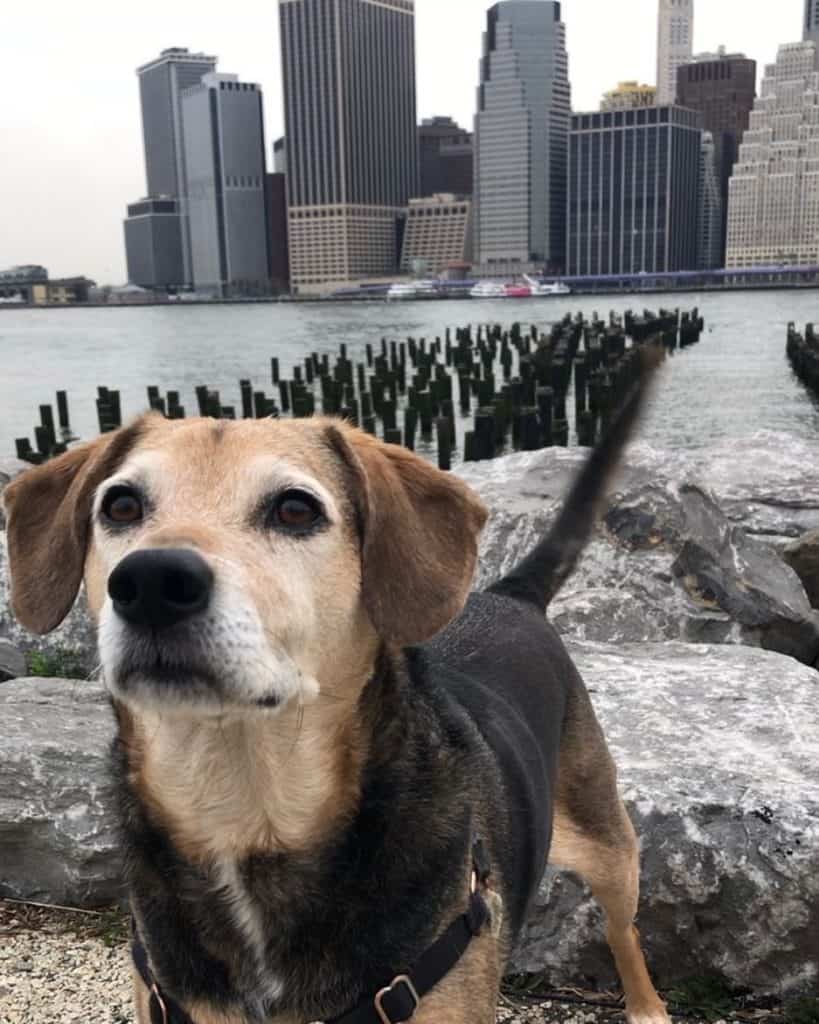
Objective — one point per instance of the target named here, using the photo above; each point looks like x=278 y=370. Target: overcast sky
x=70 y=130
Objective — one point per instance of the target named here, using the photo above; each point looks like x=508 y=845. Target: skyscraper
x=161 y=84
x=675 y=42
x=446 y=156
x=711 y=219
x=722 y=87
x=634 y=191
x=773 y=204
x=521 y=136
x=225 y=174
x=352 y=163
x=810 y=31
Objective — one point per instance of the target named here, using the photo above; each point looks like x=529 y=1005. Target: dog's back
x=506 y=666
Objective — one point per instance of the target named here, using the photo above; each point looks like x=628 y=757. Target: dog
x=340 y=775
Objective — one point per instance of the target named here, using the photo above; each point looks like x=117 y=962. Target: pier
x=476 y=391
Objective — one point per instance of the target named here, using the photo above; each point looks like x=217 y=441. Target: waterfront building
x=722 y=87
x=633 y=191
x=810 y=32
x=352 y=157
x=225 y=168
x=276 y=204
x=280 y=156
x=629 y=96
x=773 y=205
x=710 y=218
x=161 y=84
x=438 y=233
x=675 y=44
x=153 y=244
x=521 y=138
x=446 y=157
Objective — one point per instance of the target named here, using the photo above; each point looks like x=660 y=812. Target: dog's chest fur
x=311 y=932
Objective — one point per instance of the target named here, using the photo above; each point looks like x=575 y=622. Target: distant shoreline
x=382 y=300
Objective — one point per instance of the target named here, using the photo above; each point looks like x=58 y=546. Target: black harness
x=398 y=1001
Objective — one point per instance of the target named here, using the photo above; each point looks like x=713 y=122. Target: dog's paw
x=649 y=1013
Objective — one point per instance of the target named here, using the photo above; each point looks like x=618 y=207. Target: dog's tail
x=541 y=574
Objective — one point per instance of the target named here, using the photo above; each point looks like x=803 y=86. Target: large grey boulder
x=12 y=662
x=803 y=557
x=717 y=748
x=9 y=469
x=57 y=836
x=679 y=553
x=70 y=649
x=625 y=589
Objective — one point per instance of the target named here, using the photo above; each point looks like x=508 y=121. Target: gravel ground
x=75 y=969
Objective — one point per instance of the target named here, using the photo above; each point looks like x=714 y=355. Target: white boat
x=402 y=290
x=426 y=287
x=488 y=290
x=553 y=288
x=11 y=300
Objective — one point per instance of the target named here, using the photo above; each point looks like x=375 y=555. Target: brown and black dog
x=340 y=776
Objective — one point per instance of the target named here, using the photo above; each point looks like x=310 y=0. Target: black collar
x=398 y=1001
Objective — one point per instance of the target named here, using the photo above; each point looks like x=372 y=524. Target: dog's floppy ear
x=48 y=511
x=420 y=530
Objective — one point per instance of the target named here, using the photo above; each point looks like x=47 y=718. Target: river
x=734 y=382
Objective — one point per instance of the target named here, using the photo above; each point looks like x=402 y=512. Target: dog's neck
x=227 y=787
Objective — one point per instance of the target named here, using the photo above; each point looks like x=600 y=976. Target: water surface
x=734 y=382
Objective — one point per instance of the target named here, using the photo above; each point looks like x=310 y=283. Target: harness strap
x=397 y=1002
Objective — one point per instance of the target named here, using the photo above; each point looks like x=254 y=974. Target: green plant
x=802 y=1011
x=708 y=996
x=59 y=663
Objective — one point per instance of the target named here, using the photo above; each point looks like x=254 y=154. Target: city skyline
x=76 y=142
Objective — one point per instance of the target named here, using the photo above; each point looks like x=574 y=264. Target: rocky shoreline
x=700 y=645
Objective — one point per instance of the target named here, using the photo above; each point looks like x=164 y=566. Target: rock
x=660 y=564
x=12 y=662
x=57 y=828
x=69 y=650
x=9 y=469
x=803 y=557
x=716 y=747
x=717 y=750
x=721 y=565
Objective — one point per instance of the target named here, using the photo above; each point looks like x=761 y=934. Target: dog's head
x=240 y=565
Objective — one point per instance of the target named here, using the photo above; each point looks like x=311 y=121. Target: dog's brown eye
x=122 y=506
x=296 y=511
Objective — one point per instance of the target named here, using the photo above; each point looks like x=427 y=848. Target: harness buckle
x=383 y=1016
x=156 y=1001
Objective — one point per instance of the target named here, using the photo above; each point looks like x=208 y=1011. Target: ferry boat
x=402 y=290
x=488 y=290
x=540 y=289
x=518 y=291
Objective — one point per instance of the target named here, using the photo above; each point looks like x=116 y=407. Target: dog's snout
x=160 y=587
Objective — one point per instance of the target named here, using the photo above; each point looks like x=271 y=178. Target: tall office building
x=722 y=87
x=352 y=158
x=225 y=173
x=153 y=244
x=446 y=156
x=810 y=32
x=710 y=220
x=675 y=44
x=438 y=233
x=633 y=191
x=161 y=84
x=773 y=204
x=629 y=96
x=521 y=137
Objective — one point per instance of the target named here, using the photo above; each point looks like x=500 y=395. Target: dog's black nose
x=159 y=587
